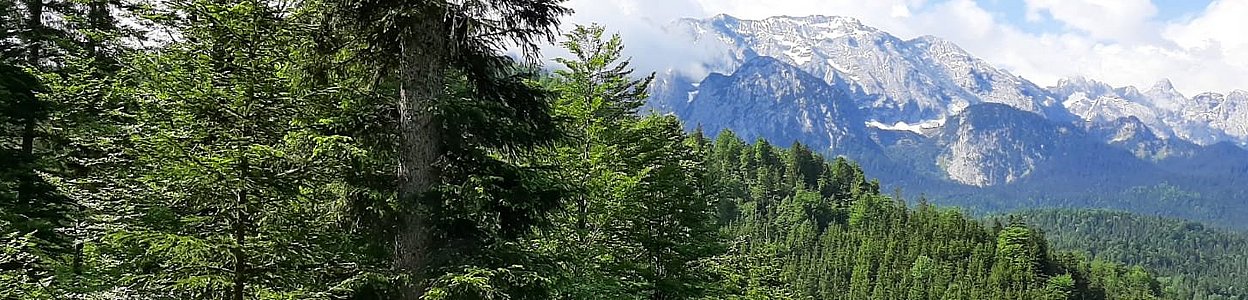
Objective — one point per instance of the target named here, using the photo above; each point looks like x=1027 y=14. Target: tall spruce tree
x=232 y=201
x=642 y=213
x=426 y=42
x=34 y=49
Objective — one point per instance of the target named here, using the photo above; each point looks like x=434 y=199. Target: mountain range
x=933 y=118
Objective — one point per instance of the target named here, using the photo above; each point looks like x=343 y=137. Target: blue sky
x=1015 y=12
x=1197 y=44
x=1176 y=9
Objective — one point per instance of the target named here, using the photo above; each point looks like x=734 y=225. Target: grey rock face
x=1204 y=119
x=994 y=144
x=769 y=99
x=893 y=80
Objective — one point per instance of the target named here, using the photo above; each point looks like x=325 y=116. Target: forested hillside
x=1190 y=260
x=388 y=150
x=823 y=231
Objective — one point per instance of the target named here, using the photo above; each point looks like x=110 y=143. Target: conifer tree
x=227 y=207
x=428 y=44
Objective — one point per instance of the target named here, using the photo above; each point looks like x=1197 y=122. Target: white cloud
x=1119 y=42
x=640 y=23
x=1218 y=32
x=1119 y=20
x=900 y=11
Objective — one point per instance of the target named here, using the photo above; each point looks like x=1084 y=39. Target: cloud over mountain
x=1119 y=42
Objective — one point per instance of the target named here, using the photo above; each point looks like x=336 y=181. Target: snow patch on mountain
x=922 y=128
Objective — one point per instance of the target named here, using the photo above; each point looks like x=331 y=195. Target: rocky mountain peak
x=1163 y=95
x=1240 y=95
x=793 y=30
x=1130 y=92
x=719 y=18
x=1080 y=81
x=1163 y=85
x=1079 y=84
x=914 y=81
x=831 y=22
x=768 y=98
x=1131 y=128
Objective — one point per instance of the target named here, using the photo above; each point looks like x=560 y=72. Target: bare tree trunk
x=422 y=71
x=588 y=140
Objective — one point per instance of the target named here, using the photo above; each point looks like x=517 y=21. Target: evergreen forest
x=1192 y=261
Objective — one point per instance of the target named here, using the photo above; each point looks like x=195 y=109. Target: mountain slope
x=1223 y=114
x=768 y=99
x=926 y=79
x=907 y=81
x=1204 y=119
x=811 y=228
x=993 y=144
x=1131 y=134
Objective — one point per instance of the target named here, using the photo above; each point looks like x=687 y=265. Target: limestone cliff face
x=766 y=98
x=993 y=144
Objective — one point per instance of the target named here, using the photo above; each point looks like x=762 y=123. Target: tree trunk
x=99 y=19
x=240 y=232
x=34 y=38
x=26 y=188
x=34 y=53
x=422 y=66
x=591 y=85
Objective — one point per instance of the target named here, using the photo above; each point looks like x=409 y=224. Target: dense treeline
x=1192 y=261
x=825 y=232
x=376 y=149
x=1207 y=203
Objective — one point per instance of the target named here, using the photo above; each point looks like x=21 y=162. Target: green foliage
x=1191 y=261
x=476 y=283
x=467 y=119
x=228 y=203
x=21 y=276
x=850 y=242
x=41 y=149
x=640 y=220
